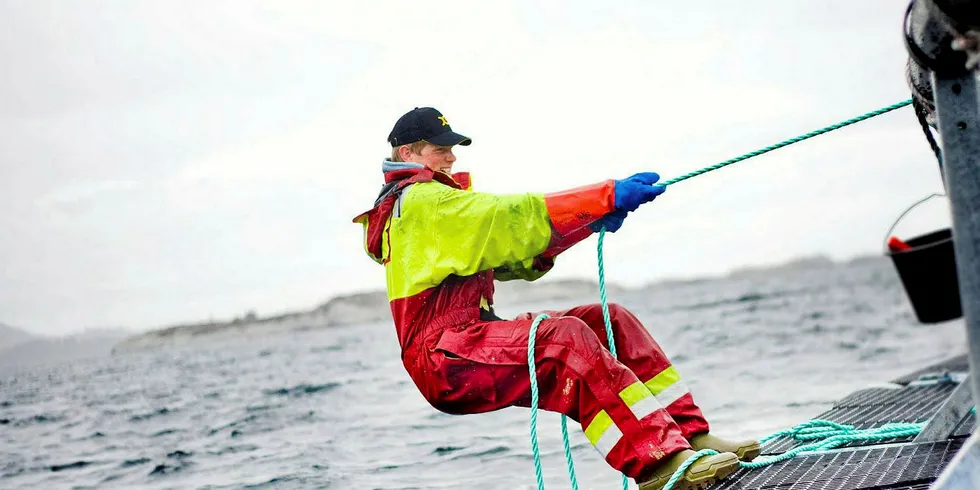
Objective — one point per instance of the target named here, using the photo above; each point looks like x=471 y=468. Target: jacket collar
x=394 y=171
x=397 y=177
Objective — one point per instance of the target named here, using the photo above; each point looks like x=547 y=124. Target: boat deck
x=894 y=464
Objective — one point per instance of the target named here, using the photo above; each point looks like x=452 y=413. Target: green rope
x=534 y=402
x=605 y=315
x=568 y=452
x=788 y=142
x=834 y=434
x=830 y=435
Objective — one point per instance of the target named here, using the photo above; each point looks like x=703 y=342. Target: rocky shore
x=357 y=308
x=372 y=307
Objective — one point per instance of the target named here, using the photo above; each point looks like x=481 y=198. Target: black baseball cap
x=428 y=124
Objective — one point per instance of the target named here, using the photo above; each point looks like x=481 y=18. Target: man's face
x=438 y=158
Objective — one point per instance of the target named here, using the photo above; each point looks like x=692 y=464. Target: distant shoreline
x=372 y=306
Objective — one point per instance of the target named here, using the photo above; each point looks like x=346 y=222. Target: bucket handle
x=910 y=208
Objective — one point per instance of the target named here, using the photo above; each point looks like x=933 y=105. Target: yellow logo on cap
x=444 y=121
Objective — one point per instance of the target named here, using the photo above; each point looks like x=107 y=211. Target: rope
x=835 y=434
x=790 y=141
x=534 y=404
x=921 y=114
x=568 y=452
x=829 y=435
x=605 y=316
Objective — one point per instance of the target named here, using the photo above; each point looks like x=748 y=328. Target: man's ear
x=405 y=152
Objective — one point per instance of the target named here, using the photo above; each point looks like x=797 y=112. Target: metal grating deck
x=878 y=465
x=958 y=364
x=966 y=427
x=874 y=407
x=903 y=396
x=900 y=467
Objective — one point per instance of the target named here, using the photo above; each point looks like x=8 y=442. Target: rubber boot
x=705 y=472
x=746 y=450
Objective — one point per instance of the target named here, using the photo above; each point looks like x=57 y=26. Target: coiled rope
x=830 y=434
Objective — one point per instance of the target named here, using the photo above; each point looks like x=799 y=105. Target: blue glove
x=637 y=190
x=612 y=221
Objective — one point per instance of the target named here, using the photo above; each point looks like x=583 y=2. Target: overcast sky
x=168 y=161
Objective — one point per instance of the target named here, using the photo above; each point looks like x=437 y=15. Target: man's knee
x=616 y=309
x=570 y=332
x=622 y=315
x=554 y=328
x=613 y=308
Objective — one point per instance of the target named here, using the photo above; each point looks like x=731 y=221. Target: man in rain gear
x=443 y=245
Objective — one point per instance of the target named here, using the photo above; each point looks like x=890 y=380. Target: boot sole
x=715 y=472
x=748 y=453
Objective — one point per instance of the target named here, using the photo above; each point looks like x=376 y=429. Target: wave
x=302 y=390
x=70 y=466
x=134 y=462
x=272 y=483
x=166 y=432
x=147 y=416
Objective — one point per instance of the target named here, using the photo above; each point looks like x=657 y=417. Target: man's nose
x=450 y=157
